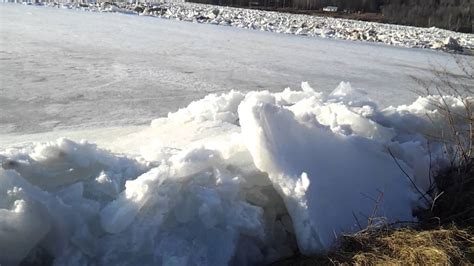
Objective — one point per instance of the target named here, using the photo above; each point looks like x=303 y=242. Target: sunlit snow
x=238 y=178
x=241 y=177
x=67 y=69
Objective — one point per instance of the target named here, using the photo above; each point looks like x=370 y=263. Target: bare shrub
x=458 y=131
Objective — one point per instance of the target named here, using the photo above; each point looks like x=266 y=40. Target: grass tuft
x=398 y=246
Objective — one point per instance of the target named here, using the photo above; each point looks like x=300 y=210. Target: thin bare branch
x=423 y=195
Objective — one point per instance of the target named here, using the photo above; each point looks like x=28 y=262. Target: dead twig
x=423 y=195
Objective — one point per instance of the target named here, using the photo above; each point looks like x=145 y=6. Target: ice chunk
x=63 y=162
x=183 y=212
x=120 y=213
x=425 y=117
x=26 y=219
x=213 y=107
x=340 y=117
x=325 y=179
x=227 y=180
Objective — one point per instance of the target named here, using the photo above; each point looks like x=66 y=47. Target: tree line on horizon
x=454 y=15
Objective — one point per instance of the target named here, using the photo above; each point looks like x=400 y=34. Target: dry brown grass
x=403 y=246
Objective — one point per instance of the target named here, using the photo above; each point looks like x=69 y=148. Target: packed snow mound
x=232 y=179
x=316 y=170
x=194 y=207
x=57 y=164
x=211 y=108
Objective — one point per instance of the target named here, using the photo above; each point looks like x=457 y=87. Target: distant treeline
x=449 y=14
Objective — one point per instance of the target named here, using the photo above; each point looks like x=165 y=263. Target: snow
x=248 y=178
x=242 y=176
x=323 y=177
x=68 y=70
x=325 y=27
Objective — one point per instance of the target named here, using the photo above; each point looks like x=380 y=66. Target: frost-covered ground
x=239 y=177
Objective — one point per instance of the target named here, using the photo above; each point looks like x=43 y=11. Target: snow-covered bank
x=325 y=27
x=236 y=178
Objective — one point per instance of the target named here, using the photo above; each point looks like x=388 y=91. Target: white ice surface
x=234 y=178
x=66 y=69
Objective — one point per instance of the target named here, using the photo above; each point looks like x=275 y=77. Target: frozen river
x=242 y=178
x=66 y=69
